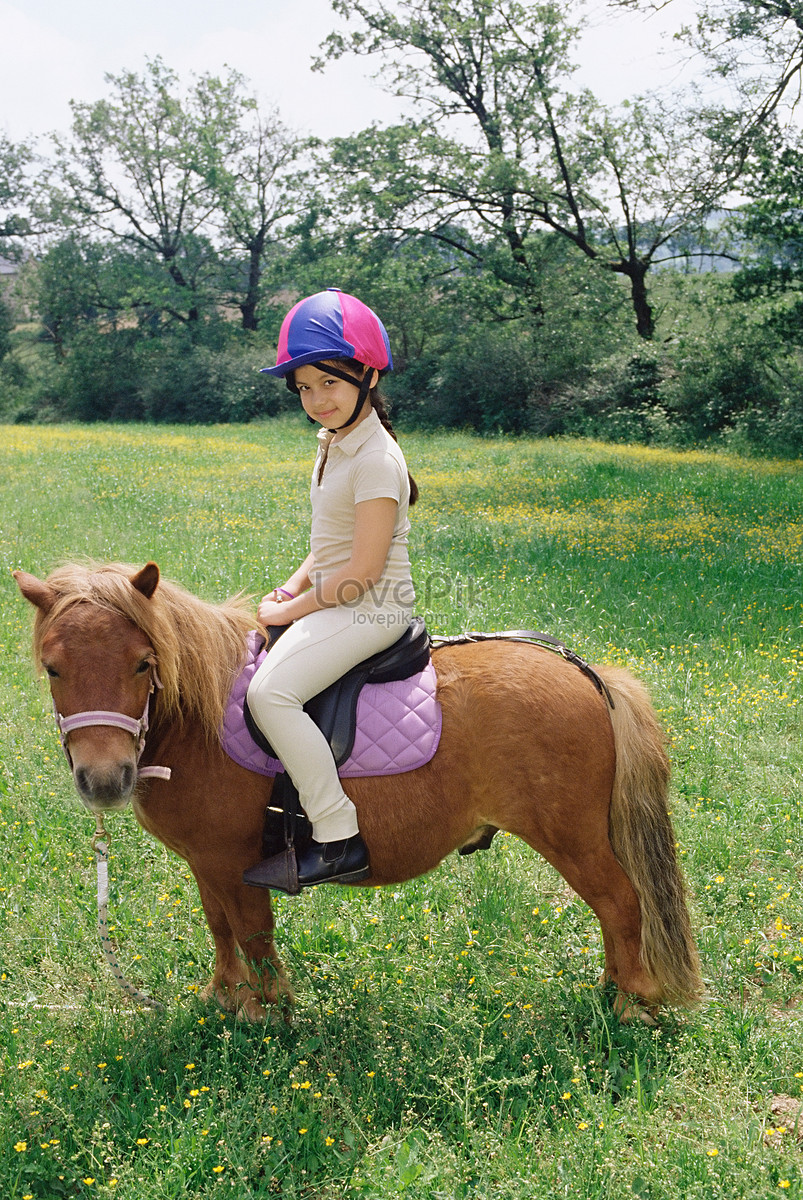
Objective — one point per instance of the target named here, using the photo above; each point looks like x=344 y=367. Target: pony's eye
x=52 y=672
x=144 y=666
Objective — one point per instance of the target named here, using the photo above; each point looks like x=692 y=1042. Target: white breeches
x=312 y=653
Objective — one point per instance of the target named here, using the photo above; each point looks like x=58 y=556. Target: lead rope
x=100 y=844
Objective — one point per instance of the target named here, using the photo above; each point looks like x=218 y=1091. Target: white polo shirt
x=366 y=464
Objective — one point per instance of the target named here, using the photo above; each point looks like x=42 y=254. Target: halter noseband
x=118 y=720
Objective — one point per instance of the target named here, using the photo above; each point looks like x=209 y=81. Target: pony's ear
x=146 y=580
x=38 y=593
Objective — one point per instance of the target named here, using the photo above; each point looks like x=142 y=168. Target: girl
x=353 y=595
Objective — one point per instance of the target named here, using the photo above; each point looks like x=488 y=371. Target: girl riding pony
x=353 y=594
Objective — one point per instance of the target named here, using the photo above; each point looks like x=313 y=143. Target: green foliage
x=15 y=163
x=7 y=323
x=117 y=375
x=771 y=279
x=162 y=174
x=527 y=151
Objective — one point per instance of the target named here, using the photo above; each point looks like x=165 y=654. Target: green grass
x=449 y=1040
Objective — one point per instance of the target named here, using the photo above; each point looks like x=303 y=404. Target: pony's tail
x=643 y=841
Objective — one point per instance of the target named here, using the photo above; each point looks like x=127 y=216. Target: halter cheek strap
x=98 y=716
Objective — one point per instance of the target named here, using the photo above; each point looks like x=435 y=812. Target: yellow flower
x=713 y=1152
x=330 y=1141
x=20 y=1147
x=218 y=1169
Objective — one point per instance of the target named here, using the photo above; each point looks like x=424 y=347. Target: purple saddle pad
x=398 y=724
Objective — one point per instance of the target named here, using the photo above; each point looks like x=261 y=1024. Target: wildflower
x=20 y=1147
x=218 y=1169
x=713 y=1152
x=330 y=1141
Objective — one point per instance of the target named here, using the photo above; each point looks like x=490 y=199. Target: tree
x=143 y=169
x=757 y=47
x=15 y=194
x=619 y=188
x=772 y=225
x=254 y=200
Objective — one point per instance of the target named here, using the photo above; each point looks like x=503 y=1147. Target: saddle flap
x=406 y=657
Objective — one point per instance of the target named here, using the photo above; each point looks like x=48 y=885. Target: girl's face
x=327 y=398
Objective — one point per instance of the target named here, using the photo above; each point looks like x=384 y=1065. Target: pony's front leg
x=248 y=972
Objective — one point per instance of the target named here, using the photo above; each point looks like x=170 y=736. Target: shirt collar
x=355 y=438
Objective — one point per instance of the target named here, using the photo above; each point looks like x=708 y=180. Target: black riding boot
x=344 y=861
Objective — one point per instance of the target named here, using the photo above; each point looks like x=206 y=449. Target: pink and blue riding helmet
x=332 y=324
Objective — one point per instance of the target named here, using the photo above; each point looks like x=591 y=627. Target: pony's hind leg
x=599 y=880
x=578 y=847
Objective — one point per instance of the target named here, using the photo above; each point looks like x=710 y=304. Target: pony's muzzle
x=108 y=787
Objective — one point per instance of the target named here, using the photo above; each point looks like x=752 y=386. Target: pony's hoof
x=253 y=1011
x=631 y=1008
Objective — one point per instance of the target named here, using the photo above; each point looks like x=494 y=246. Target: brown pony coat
x=528 y=745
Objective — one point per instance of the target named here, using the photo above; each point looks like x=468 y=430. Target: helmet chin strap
x=364 y=387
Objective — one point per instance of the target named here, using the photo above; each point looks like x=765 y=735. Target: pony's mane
x=200 y=647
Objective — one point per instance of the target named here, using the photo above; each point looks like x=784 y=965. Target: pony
x=528 y=745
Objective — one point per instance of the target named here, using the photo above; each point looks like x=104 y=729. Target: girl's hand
x=272 y=612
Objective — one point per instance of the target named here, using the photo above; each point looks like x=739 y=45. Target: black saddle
x=334 y=710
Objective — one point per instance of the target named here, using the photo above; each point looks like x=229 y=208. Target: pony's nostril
x=82 y=781
x=128 y=777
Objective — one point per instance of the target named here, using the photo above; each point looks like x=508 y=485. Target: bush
x=718 y=379
x=622 y=400
x=117 y=375
x=199 y=385
x=485 y=381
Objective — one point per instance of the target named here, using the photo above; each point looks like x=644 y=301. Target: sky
x=54 y=51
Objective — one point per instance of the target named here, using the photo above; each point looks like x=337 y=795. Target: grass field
x=449 y=1040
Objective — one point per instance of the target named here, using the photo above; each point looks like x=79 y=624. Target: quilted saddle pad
x=398 y=724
